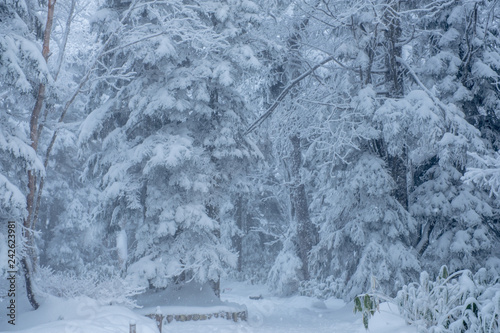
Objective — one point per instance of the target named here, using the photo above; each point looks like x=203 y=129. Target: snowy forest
x=322 y=148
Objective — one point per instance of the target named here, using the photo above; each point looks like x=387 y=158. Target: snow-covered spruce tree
x=457 y=68
x=365 y=232
x=258 y=212
x=71 y=241
x=361 y=217
x=378 y=104
x=425 y=132
x=170 y=157
x=429 y=136
x=16 y=156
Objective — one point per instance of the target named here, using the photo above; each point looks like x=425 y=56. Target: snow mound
x=191 y=298
x=82 y=315
x=388 y=319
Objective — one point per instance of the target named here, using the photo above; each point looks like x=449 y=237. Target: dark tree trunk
x=29 y=284
x=394 y=74
x=241 y=224
x=394 y=78
x=213 y=213
x=307 y=233
x=423 y=241
x=215 y=285
x=398 y=165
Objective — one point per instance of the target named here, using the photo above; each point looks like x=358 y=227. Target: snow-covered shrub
x=458 y=302
x=284 y=277
x=321 y=288
x=105 y=290
x=452 y=303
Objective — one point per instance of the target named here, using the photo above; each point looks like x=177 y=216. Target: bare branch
x=134 y=42
x=283 y=94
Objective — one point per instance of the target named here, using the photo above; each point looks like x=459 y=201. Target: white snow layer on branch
x=16 y=145
x=93 y=123
x=12 y=200
x=488 y=176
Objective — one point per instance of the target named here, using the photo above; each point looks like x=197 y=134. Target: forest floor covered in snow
x=269 y=314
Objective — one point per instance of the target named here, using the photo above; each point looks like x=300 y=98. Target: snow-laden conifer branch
x=424 y=88
x=284 y=93
x=487 y=176
x=87 y=77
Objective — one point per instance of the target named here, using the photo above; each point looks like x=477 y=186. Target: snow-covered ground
x=80 y=315
x=266 y=315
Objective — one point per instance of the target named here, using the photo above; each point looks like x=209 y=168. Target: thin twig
x=283 y=94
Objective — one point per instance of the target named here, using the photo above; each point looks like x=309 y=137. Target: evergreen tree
x=458 y=66
x=381 y=107
x=22 y=68
x=170 y=154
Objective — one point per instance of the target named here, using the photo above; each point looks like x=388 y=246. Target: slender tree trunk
x=307 y=233
x=25 y=263
x=213 y=213
x=423 y=241
x=241 y=224
x=60 y=59
x=30 y=258
x=398 y=166
x=215 y=287
x=394 y=79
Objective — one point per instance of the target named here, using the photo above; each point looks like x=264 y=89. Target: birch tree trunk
x=29 y=260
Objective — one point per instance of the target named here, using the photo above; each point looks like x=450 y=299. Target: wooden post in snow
x=133 y=327
x=159 y=321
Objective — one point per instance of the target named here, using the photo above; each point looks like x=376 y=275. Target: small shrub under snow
x=452 y=303
x=107 y=290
